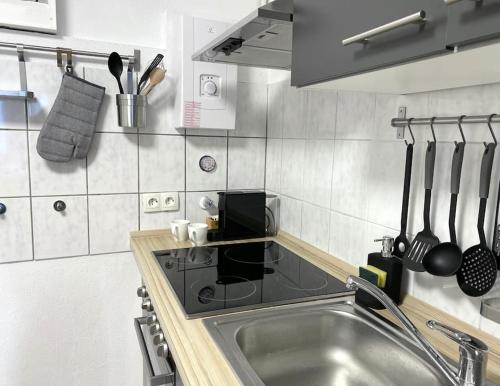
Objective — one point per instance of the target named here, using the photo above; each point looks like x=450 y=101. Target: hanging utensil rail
x=401 y=122
x=134 y=59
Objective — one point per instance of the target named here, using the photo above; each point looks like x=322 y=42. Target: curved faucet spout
x=354 y=283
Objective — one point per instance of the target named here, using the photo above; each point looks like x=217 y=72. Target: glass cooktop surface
x=212 y=280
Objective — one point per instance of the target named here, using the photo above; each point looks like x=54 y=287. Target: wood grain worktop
x=199 y=360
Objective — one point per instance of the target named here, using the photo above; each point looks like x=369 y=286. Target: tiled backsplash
x=102 y=192
x=335 y=160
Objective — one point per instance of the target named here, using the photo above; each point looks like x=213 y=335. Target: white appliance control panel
x=205 y=95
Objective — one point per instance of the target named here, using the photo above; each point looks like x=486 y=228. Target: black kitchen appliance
x=242 y=215
x=213 y=280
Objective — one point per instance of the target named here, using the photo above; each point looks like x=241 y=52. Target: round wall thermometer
x=207 y=163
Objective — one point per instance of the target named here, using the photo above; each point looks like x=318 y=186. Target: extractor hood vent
x=262 y=39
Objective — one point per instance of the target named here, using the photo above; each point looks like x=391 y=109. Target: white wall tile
x=55 y=178
x=193 y=211
x=315 y=228
x=478 y=100
x=294 y=109
x=14 y=163
x=161 y=163
x=246 y=163
x=321 y=114
x=251 y=110
x=355 y=115
x=293 y=156
x=417 y=105
x=443 y=293
x=385 y=181
x=112 y=164
x=350 y=178
x=15 y=230
x=275 y=110
x=317 y=173
x=60 y=234
x=348 y=239
x=44 y=80
x=108 y=119
x=161 y=101
x=197 y=179
x=111 y=219
x=273 y=164
x=12 y=112
x=291 y=215
x=161 y=220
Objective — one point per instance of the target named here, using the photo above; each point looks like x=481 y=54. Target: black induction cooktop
x=213 y=280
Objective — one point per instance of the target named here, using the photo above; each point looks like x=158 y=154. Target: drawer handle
x=3 y=209
x=416 y=18
x=449 y=2
x=154 y=379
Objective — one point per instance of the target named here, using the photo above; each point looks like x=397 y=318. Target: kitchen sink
x=325 y=343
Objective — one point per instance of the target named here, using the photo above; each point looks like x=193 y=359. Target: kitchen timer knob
x=147 y=305
x=141 y=292
x=159 y=339
x=59 y=206
x=151 y=319
x=3 y=208
x=162 y=350
x=155 y=328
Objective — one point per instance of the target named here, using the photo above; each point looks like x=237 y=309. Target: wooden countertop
x=199 y=360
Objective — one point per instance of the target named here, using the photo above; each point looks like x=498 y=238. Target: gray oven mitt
x=70 y=126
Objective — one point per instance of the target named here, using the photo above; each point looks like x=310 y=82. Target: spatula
x=425 y=239
x=478 y=273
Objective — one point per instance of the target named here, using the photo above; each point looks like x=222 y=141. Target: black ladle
x=115 y=66
x=445 y=259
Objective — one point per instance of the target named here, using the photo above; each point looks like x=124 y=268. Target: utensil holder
x=132 y=110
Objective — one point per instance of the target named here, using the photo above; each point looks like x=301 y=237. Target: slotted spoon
x=478 y=273
x=425 y=239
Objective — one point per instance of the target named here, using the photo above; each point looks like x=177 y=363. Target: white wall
x=335 y=160
x=68 y=320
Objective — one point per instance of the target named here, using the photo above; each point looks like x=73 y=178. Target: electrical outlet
x=170 y=202
x=151 y=202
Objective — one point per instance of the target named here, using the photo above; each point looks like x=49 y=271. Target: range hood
x=262 y=39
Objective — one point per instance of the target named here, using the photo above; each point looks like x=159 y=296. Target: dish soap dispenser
x=385 y=271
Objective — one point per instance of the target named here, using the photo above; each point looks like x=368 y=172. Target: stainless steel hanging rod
x=402 y=122
x=132 y=59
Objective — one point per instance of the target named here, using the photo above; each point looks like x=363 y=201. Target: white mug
x=198 y=233
x=179 y=229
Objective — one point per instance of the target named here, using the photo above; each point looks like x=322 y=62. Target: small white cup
x=198 y=233
x=179 y=229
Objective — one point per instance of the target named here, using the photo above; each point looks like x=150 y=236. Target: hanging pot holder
x=70 y=126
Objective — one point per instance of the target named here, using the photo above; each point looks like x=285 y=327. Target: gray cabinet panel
x=321 y=25
x=473 y=21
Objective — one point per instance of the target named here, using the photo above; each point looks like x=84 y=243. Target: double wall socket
x=160 y=202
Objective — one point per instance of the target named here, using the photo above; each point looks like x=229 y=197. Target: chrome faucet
x=473 y=352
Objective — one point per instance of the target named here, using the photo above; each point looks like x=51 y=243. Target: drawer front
x=472 y=21
x=320 y=26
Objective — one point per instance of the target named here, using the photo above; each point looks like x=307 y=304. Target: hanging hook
x=432 y=130
x=460 y=119
x=411 y=132
x=490 y=118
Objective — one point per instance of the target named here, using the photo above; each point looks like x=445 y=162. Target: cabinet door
x=320 y=26
x=473 y=21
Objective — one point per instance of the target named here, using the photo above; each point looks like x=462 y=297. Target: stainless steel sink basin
x=326 y=343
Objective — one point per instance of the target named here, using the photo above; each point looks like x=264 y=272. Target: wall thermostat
x=210 y=85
